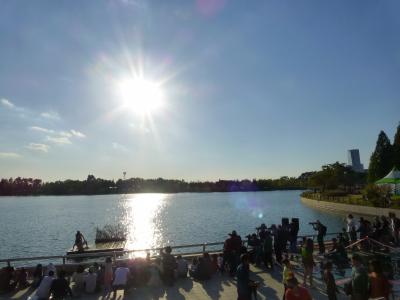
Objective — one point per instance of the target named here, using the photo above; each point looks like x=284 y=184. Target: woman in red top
x=380 y=286
x=296 y=292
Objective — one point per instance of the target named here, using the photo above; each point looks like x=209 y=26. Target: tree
x=381 y=159
x=396 y=148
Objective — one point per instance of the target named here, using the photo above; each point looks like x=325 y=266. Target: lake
x=46 y=225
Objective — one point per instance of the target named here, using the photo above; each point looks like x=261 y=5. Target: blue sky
x=252 y=89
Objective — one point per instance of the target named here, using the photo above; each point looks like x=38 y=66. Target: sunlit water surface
x=35 y=226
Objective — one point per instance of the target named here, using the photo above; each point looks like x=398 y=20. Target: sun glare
x=140 y=95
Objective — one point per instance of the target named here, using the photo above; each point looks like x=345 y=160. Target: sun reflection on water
x=143 y=221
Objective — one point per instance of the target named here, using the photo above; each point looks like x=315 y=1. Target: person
x=43 y=291
x=395 y=227
x=121 y=276
x=286 y=274
x=78 y=278
x=268 y=250
x=321 y=232
x=359 y=279
x=308 y=260
x=380 y=286
x=344 y=237
x=90 y=281
x=193 y=267
x=203 y=269
x=293 y=233
x=220 y=261
x=6 y=279
x=296 y=292
x=51 y=267
x=154 y=271
x=214 y=263
x=337 y=253
x=182 y=267
x=108 y=275
x=279 y=243
x=22 y=278
x=243 y=279
x=331 y=288
x=80 y=241
x=60 y=287
x=37 y=275
x=232 y=248
x=168 y=266
x=352 y=228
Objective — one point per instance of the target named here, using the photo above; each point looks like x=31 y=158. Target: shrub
x=378 y=196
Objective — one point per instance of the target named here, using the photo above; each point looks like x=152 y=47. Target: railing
x=119 y=253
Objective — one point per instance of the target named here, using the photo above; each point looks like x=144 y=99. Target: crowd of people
x=268 y=247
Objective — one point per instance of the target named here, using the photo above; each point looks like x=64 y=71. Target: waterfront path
x=219 y=287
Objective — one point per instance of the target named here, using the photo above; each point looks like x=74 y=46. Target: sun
x=140 y=95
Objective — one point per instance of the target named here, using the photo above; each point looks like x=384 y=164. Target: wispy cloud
x=119 y=147
x=38 y=147
x=51 y=115
x=7 y=103
x=77 y=134
x=9 y=155
x=41 y=129
x=60 y=140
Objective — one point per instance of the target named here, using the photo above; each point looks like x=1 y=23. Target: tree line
x=97 y=186
x=385 y=156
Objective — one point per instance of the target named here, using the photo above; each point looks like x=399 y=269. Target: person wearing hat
x=232 y=247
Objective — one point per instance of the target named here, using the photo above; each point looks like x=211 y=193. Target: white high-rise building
x=353 y=156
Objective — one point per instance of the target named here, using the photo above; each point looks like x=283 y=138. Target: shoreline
x=347 y=208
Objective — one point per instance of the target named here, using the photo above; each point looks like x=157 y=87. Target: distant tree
x=396 y=148
x=381 y=159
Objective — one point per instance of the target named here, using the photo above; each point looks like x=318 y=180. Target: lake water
x=35 y=226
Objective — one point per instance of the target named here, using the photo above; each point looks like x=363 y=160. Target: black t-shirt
x=60 y=288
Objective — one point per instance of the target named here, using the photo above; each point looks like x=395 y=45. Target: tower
x=354 y=162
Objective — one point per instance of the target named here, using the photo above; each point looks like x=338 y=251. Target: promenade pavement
x=219 y=287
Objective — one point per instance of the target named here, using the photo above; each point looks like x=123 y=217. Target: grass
x=356 y=199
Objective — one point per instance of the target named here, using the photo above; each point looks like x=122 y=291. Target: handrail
x=122 y=252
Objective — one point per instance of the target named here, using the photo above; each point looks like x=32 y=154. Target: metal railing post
x=63 y=260
x=204 y=247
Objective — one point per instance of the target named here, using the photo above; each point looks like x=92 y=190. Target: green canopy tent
x=393 y=180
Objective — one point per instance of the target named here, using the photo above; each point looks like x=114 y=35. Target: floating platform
x=99 y=248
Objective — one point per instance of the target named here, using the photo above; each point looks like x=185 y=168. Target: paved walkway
x=219 y=287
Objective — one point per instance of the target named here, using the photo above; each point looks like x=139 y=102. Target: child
x=331 y=288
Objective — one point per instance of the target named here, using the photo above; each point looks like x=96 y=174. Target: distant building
x=354 y=160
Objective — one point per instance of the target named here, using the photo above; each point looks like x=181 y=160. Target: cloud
x=65 y=134
x=9 y=155
x=7 y=103
x=38 y=147
x=77 y=134
x=41 y=129
x=51 y=115
x=61 y=140
x=119 y=147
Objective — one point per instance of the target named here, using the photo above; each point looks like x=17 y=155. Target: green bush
x=378 y=196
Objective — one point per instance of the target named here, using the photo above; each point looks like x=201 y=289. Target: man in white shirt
x=43 y=291
x=121 y=276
